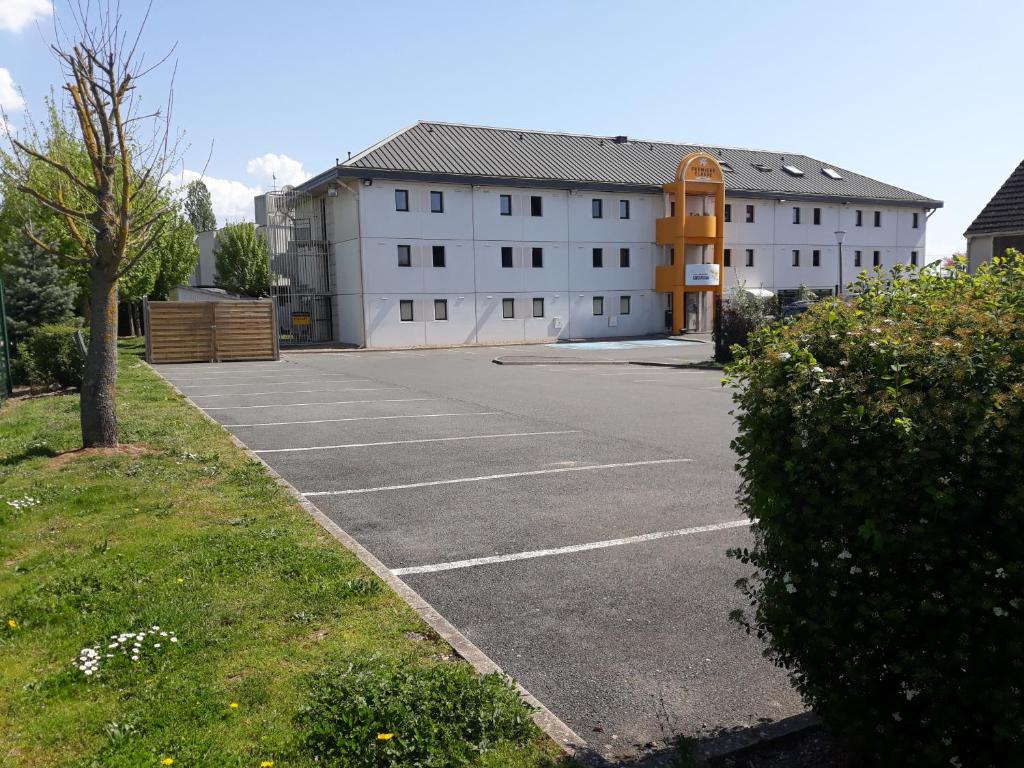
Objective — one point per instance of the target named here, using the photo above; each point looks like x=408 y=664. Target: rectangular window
x=623 y=209
x=878 y=218
x=728 y=213
x=536 y=205
x=857 y=258
x=596 y=208
x=538 y=258
x=859 y=218
x=750 y=257
x=438 y=251
x=506 y=257
x=750 y=214
x=598 y=305
x=440 y=309
x=401 y=199
x=405 y=310
x=913 y=256
x=671 y=256
x=876 y=258
x=506 y=205
x=796 y=215
x=437 y=202
x=404 y=256
x=672 y=208
x=727 y=257
x=538 y=307
x=623 y=305
x=597 y=257
x=817 y=216
x=623 y=257
x=796 y=258
x=508 y=308
x=916 y=220
x=815 y=258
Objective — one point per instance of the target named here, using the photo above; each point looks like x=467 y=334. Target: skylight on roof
x=832 y=173
x=726 y=167
x=761 y=167
x=792 y=170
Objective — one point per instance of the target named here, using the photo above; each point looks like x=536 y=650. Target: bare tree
x=112 y=206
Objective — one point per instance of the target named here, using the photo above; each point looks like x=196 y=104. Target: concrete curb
x=735 y=744
x=558 y=731
x=575 y=361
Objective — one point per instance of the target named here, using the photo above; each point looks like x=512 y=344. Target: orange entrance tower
x=694 y=230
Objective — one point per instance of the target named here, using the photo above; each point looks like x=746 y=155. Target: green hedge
x=881 y=448
x=50 y=357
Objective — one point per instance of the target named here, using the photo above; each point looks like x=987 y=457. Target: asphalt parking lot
x=571 y=520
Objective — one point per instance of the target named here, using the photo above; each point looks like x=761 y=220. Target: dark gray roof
x=497 y=155
x=1005 y=211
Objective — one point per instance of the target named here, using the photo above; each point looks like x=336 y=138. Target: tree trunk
x=98 y=408
x=130 y=308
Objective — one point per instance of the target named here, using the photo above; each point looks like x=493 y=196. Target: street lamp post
x=840 y=234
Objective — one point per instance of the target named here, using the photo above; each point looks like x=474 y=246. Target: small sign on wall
x=702 y=274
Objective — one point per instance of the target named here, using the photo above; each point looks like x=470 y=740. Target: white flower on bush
x=854 y=570
x=818 y=369
x=130 y=644
x=1000 y=574
x=844 y=555
x=788 y=581
x=784 y=356
x=23 y=503
x=999 y=611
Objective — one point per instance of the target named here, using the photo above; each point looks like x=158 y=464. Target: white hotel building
x=453 y=234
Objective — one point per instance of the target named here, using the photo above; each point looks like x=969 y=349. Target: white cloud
x=232 y=200
x=279 y=169
x=10 y=96
x=15 y=15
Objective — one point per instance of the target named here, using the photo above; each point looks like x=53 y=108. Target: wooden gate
x=211 y=331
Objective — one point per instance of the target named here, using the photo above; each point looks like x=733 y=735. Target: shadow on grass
x=30 y=452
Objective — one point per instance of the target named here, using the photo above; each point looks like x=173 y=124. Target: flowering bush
x=881 y=448
x=738 y=316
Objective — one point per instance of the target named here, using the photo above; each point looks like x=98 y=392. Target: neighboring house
x=452 y=234
x=1000 y=225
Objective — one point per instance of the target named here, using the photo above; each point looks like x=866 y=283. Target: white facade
x=481 y=281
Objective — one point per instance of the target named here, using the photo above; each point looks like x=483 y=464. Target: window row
x=439 y=259
x=407 y=308
x=727 y=257
x=858 y=258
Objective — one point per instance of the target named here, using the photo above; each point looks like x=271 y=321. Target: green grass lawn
x=193 y=537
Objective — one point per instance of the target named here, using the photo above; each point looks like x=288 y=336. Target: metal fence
x=296 y=233
x=5 y=350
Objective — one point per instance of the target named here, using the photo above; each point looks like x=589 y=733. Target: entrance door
x=692 y=304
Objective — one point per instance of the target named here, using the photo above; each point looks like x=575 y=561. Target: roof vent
x=726 y=167
x=430 y=129
x=832 y=173
x=792 y=170
x=621 y=139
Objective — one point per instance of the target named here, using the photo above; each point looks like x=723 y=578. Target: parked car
x=797 y=308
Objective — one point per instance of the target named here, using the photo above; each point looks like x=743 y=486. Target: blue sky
x=924 y=95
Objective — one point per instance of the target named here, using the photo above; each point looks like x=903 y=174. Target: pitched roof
x=482 y=154
x=1005 y=211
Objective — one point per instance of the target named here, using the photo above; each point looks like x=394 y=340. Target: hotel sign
x=702 y=274
x=703 y=168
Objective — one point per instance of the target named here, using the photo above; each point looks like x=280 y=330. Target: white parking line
x=264 y=383
x=329 y=402
x=481 y=478
x=566 y=550
x=300 y=391
x=420 y=440
x=364 y=418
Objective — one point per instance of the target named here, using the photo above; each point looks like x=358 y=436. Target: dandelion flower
x=12 y=624
x=181 y=581
x=267 y=764
x=233 y=705
x=167 y=761
x=385 y=736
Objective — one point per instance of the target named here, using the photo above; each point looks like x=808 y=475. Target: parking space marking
x=420 y=440
x=300 y=391
x=329 y=402
x=263 y=383
x=365 y=418
x=455 y=564
x=481 y=478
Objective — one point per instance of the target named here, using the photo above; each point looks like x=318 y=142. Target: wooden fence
x=211 y=331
